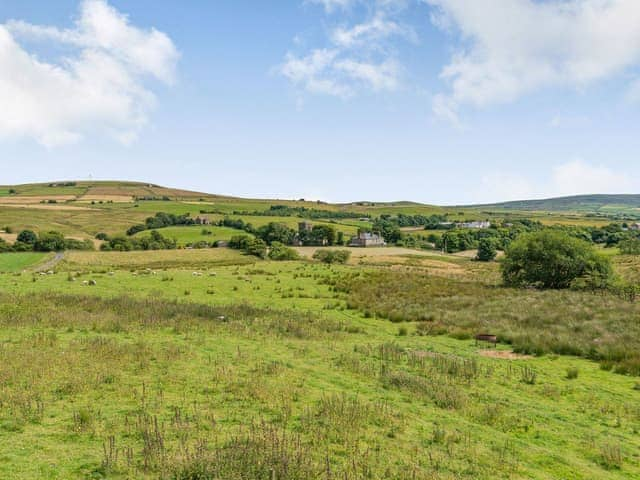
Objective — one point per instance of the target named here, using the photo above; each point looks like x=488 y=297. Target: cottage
x=202 y=220
x=367 y=239
x=481 y=224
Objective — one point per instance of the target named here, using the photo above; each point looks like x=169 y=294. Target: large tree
x=552 y=259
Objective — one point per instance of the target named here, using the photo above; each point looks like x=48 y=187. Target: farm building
x=480 y=224
x=367 y=239
x=202 y=220
x=634 y=226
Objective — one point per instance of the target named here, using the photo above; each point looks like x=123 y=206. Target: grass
x=207 y=364
x=194 y=233
x=596 y=326
x=150 y=388
x=158 y=259
x=16 y=262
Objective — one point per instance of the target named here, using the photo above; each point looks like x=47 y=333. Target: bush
x=487 y=250
x=102 y=236
x=280 y=252
x=27 y=236
x=553 y=259
x=256 y=247
x=332 y=256
x=631 y=246
x=50 y=242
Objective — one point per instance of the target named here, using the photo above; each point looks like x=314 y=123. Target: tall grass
x=602 y=327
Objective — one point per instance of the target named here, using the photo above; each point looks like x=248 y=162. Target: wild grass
x=595 y=326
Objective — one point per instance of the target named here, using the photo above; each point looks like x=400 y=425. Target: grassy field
x=263 y=368
x=194 y=233
x=211 y=364
x=15 y=262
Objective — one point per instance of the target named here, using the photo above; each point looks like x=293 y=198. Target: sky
x=436 y=101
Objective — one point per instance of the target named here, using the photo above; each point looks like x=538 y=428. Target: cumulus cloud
x=513 y=47
x=100 y=87
x=358 y=57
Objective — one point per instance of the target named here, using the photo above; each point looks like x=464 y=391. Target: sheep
x=196 y=274
x=85 y=283
x=93 y=283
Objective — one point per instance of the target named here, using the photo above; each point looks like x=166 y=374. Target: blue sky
x=438 y=101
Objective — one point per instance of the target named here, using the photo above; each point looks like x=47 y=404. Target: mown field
x=210 y=364
x=16 y=262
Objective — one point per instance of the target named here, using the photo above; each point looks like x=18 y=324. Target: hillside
x=580 y=203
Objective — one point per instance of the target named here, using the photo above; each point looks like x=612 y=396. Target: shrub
x=256 y=247
x=572 y=373
x=50 y=242
x=102 y=236
x=553 y=259
x=279 y=251
x=630 y=246
x=332 y=256
x=487 y=250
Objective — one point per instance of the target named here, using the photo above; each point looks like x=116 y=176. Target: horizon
x=320 y=200
x=432 y=101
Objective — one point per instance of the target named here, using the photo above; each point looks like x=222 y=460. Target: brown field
x=106 y=198
x=45 y=206
x=31 y=199
x=8 y=237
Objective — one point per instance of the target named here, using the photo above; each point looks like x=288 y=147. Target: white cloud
x=513 y=47
x=99 y=88
x=371 y=31
x=358 y=58
x=577 y=177
x=505 y=186
x=332 y=5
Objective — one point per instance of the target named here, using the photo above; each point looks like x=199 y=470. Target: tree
x=487 y=250
x=256 y=247
x=276 y=232
x=630 y=246
x=50 y=242
x=278 y=251
x=332 y=256
x=27 y=236
x=553 y=259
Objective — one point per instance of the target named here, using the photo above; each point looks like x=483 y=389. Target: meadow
x=213 y=364
x=16 y=262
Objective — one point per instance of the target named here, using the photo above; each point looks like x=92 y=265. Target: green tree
x=256 y=247
x=278 y=251
x=553 y=259
x=630 y=246
x=487 y=250
x=50 y=242
x=27 y=236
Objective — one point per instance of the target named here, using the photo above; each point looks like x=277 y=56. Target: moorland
x=150 y=332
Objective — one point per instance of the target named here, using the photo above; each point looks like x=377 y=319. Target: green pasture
x=15 y=262
x=148 y=388
x=194 y=233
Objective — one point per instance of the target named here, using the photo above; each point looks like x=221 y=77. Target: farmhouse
x=634 y=226
x=367 y=239
x=481 y=224
x=202 y=220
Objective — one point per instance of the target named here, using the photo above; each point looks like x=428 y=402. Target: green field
x=194 y=233
x=203 y=364
x=15 y=262
x=140 y=376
